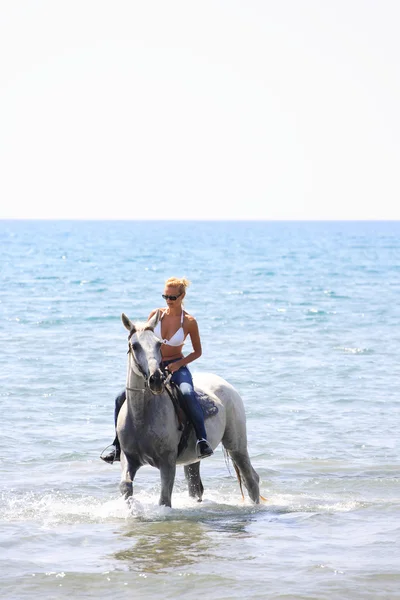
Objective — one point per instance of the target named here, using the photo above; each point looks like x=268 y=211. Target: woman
x=172 y=329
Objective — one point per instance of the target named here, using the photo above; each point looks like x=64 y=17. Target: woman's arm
x=193 y=331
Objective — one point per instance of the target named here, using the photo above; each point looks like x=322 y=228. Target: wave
x=354 y=350
x=54 y=508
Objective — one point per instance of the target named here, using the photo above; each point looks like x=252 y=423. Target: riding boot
x=195 y=412
x=203 y=449
x=115 y=454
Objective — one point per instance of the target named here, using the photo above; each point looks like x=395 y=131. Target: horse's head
x=145 y=352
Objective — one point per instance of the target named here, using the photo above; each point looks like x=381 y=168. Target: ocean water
x=303 y=318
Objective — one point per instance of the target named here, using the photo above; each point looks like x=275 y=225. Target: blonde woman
x=173 y=327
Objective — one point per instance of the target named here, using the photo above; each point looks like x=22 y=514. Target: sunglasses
x=166 y=297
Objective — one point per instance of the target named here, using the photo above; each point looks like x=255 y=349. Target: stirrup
x=205 y=451
x=112 y=456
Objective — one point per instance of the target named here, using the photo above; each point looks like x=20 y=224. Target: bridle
x=164 y=376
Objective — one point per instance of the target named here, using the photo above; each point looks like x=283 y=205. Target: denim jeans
x=183 y=379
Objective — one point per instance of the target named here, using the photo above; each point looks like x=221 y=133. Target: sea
x=303 y=318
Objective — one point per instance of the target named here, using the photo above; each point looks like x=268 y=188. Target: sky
x=219 y=109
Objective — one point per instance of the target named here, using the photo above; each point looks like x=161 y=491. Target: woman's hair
x=182 y=283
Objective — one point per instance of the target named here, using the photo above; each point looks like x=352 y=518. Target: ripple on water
x=316 y=368
x=354 y=350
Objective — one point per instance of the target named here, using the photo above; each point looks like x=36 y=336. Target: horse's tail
x=238 y=475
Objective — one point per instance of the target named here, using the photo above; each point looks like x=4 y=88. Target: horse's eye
x=135 y=346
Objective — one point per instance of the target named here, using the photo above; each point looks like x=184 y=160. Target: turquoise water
x=303 y=318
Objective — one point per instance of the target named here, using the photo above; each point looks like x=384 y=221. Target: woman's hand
x=175 y=366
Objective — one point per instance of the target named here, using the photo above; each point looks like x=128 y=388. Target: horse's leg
x=192 y=474
x=129 y=470
x=167 y=471
x=250 y=477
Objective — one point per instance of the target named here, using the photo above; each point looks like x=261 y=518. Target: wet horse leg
x=192 y=474
x=129 y=470
x=250 y=477
x=167 y=471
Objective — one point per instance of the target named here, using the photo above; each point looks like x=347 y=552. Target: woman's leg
x=119 y=400
x=115 y=453
x=183 y=379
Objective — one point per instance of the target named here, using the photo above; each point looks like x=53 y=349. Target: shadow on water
x=175 y=544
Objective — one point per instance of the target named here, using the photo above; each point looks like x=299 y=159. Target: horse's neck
x=141 y=402
x=135 y=393
x=134 y=381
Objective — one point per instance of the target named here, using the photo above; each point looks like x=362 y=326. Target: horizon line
x=194 y=220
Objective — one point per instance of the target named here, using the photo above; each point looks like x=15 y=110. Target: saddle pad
x=208 y=406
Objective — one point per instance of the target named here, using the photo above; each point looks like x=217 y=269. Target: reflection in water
x=172 y=544
x=166 y=545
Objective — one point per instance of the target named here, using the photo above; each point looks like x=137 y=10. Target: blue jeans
x=183 y=379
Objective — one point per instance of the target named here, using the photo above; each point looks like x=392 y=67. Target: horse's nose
x=155 y=381
x=155 y=377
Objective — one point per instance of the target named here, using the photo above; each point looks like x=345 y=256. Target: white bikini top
x=177 y=339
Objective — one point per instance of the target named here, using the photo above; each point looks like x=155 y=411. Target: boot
x=115 y=453
x=203 y=448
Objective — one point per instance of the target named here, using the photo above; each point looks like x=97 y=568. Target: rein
x=165 y=375
x=130 y=351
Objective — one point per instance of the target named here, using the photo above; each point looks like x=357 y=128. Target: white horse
x=148 y=426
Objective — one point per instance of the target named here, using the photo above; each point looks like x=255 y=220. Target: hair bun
x=182 y=283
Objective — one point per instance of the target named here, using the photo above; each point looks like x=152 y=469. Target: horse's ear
x=127 y=322
x=154 y=319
